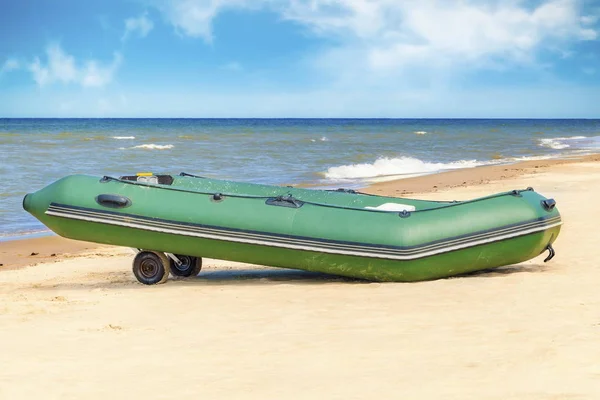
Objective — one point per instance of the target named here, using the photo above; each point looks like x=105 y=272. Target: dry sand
x=82 y=327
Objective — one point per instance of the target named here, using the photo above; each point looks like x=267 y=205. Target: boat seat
x=393 y=207
x=154 y=179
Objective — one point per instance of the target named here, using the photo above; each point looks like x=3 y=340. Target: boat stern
x=545 y=209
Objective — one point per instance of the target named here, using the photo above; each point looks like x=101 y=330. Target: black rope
x=245 y=196
x=191 y=176
x=242 y=196
x=340 y=190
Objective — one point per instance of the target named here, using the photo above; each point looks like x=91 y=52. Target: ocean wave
x=420 y=132
x=394 y=166
x=124 y=137
x=153 y=146
x=323 y=139
x=560 y=143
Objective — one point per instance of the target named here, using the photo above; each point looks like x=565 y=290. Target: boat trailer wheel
x=188 y=266
x=151 y=267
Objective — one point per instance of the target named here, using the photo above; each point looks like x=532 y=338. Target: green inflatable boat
x=174 y=220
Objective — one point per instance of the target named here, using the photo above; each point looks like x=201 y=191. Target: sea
x=320 y=153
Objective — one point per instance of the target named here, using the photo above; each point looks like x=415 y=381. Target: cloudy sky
x=300 y=58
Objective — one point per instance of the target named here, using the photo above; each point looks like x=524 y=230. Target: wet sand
x=20 y=253
x=82 y=327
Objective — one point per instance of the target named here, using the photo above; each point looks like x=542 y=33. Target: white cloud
x=394 y=33
x=141 y=26
x=588 y=34
x=589 y=19
x=95 y=75
x=10 y=64
x=62 y=67
x=390 y=34
x=194 y=17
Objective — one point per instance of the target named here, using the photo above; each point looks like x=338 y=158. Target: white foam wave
x=153 y=146
x=394 y=166
x=323 y=139
x=553 y=144
x=124 y=137
x=420 y=132
x=560 y=142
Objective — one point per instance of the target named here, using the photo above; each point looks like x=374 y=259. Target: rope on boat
x=516 y=193
x=351 y=191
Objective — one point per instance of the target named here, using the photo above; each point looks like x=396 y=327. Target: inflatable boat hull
x=326 y=231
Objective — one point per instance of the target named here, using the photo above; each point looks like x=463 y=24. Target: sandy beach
x=76 y=324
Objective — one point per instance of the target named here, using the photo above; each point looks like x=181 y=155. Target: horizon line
x=321 y=118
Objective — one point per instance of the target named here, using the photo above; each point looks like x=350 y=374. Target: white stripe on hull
x=286 y=240
x=302 y=244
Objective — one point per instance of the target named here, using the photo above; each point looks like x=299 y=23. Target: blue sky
x=300 y=58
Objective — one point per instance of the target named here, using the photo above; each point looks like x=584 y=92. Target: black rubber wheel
x=151 y=267
x=190 y=266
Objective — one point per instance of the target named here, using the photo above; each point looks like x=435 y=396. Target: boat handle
x=284 y=201
x=113 y=201
x=548 y=204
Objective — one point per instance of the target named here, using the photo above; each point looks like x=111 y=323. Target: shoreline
x=26 y=236
x=467 y=177
x=18 y=252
